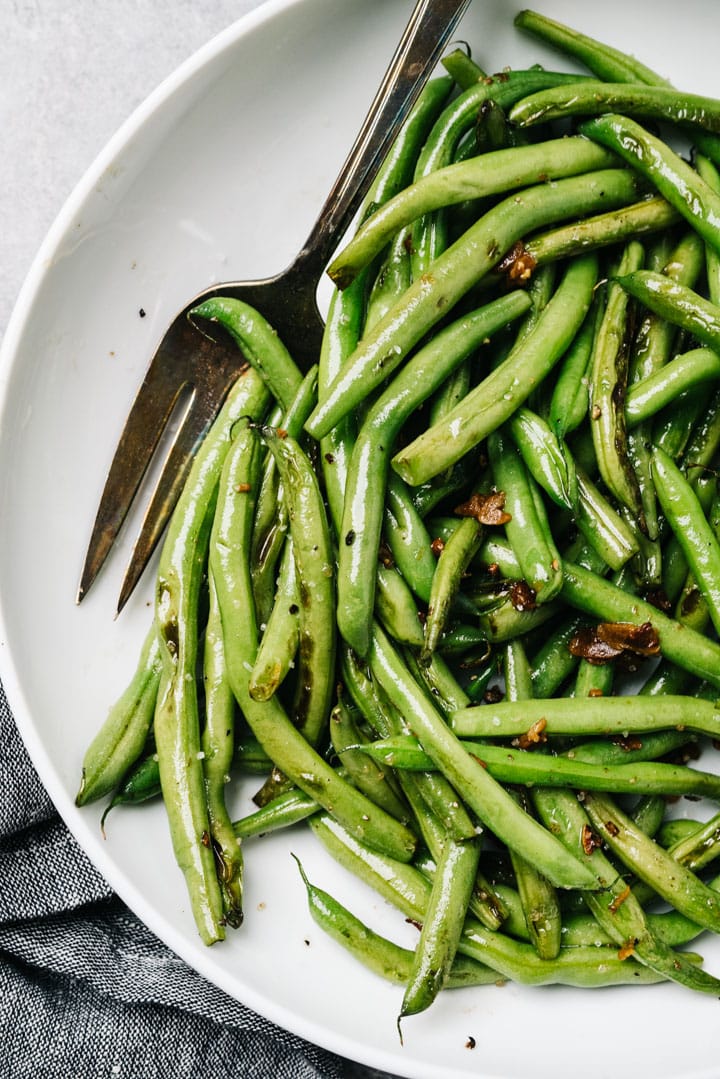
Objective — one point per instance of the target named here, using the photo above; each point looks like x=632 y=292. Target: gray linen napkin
x=86 y=990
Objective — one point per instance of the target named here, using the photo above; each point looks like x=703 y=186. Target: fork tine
x=141 y=434
x=185 y=357
x=207 y=398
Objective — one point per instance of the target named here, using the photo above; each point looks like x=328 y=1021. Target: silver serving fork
x=187 y=359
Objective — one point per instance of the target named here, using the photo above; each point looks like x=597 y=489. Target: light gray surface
x=70 y=74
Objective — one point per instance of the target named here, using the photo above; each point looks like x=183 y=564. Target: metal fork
x=187 y=359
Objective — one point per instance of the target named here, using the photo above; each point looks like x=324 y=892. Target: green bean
x=394 y=880
x=396 y=607
x=691 y=528
x=454 y=559
x=176 y=716
x=555 y=662
x=121 y=739
x=620 y=750
x=672 y=427
x=492 y=804
x=493 y=173
x=463 y=69
x=596 y=715
x=616 y=910
x=427 y=822
x=538 y=899
x=450 y=817
x=667 y=678
x=479 y=682
x=409 y=892
x=271 y=522
x=675 y=180
x=547 y=458
x=569 y=401
x=367 y=775
x=608 y=380
x=603 y=60
x=441 y=684
x=373 y=706
x=532 y=769
x=496 y=552
x=369 y=463
x=217 y=741
x=390 y=281
x=517 y=672
x=442 y=925
x=709 y=173
x=250 y=757
x=704 y=440
x=342 y=332
x=648 y=813
x=592 y=98
x=507 y=387
x=286 y=809
x=315 y=572
x=346 y=309
x=451 y=392
x=699 y=847
x=597 y=231
x=526 y=530
x=258 y=342
x=603 y=529
x=443 y=488
x=438 y=810
x=573 y=966
x=408 y=538
x=454 y=272
x=379 y=954
x=460 y=115
x=139 y=785
x=284 y=744
x=539 y=903
x=676 y=830
x=675 y=929
x=655 y=337
x=281 y=635
x=668 y=928
x=675 y=566
x=678 y=303
x=649 y=395
x=416 y=134
x=680 y=887
x=587 y=592
x=593 y=680
x=692 y=608
x=506 y=621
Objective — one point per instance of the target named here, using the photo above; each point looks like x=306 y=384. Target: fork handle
x=424 y=38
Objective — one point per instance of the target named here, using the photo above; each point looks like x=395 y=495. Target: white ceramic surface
x=219 y=175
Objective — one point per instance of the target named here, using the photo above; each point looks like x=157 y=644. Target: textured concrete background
x=70 y=74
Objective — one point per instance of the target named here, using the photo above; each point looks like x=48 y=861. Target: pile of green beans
x=453 y=595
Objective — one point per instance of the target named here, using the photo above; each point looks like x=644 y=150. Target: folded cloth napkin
x=86 y=990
